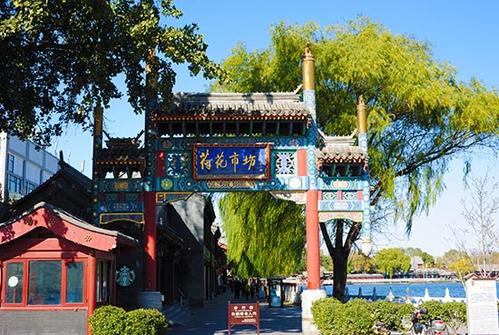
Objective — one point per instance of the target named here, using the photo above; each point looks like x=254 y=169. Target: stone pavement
x=212 y=320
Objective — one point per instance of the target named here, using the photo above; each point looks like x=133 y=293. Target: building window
x=74 y=282
x=30 y=187
x=44 y=286
x=44 y=280
x=103 y=280
x=10 y=163
x=15 y=279
x=15 y=184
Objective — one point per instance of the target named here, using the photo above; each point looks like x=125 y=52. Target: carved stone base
x=307 y=321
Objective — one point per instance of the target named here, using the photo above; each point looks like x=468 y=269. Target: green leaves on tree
x=266 y=236
x=59 y=58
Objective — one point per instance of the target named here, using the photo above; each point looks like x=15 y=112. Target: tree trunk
x=340 y=262
x=339 y=252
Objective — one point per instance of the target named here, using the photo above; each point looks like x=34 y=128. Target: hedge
x=357 y=317
x=108 y=320
x=335 y=318
x=145 y=322
x=111 y=320
x=452 y=313
x=390 y=313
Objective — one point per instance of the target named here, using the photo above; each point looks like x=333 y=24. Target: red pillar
x=91 y=286
x=313 y=243
x=150 y=253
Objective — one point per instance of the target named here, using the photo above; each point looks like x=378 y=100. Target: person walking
x=246 y=290
x=237 y=289
x=252 y=289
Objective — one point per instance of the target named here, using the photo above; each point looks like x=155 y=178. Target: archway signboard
x=225 y=142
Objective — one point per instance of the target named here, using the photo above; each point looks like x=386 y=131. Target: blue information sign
x=231 y=161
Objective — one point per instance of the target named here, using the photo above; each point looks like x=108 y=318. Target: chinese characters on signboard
x=244 y=314
x=213 y=161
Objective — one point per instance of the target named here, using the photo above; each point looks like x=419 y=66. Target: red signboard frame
x=243 y=314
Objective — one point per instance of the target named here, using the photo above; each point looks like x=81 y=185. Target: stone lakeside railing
x=292 y=290
x=407 y=298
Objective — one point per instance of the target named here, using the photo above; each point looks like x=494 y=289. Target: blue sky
x=463 y=33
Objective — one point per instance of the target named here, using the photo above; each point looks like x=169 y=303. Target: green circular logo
x=166 y=184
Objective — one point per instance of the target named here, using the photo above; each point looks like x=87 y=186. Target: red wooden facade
x=52 y=261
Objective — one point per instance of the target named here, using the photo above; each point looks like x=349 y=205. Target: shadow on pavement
x=212 y=319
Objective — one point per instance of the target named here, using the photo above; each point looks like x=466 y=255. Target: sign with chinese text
x=244 y=314
x=231 y=161
x=481 y=306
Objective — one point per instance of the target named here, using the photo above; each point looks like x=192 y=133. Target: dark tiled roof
x=335 y=154
x=125 y=150
x=235 y=106
x=72 y=220
x=66 y=171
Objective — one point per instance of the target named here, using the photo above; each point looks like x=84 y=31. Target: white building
x=22 y=167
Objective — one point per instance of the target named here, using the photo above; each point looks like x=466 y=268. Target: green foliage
x=452 y=313
x=420 y=115
x=112 y=320
x=428 y=259
x=359 y=316
x=258 y=226
x=63 y=57
x=108 y=320
x=461 y=267
x=392 y=260
x=145 y=322
x=334 y=318
x=450 y=256
x=359 y=263
x=326 y=262
x=390 y=313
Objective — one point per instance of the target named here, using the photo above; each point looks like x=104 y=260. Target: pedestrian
x=237 y=289
x=246 y=290
x=252 y=289
x=262 y=295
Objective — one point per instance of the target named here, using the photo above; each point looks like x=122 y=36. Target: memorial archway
x=224 y=142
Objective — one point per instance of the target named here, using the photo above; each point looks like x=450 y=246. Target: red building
x=52 y=262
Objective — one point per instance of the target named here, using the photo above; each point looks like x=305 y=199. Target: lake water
x=435 y=289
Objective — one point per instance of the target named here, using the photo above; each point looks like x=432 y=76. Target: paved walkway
x=212 y=319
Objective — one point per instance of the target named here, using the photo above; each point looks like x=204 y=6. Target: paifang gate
x=224 y=142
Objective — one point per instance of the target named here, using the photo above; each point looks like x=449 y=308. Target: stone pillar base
x=307 y=321
x=150 y=299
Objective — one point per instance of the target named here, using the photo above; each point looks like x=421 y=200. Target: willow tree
x=265 y=236
x=420 y=115
x=59 y=58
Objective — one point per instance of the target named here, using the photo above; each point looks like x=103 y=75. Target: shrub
x=145 y=322
x=390 y=313
x=452 y=313
x=334 y=318
x=108 y=320
x=324 y=312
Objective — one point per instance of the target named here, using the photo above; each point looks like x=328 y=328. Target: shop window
x=14 y=289
x=44 y=285
x=74 y=282
x=103 y=276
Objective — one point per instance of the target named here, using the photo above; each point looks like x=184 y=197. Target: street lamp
x=366 y=246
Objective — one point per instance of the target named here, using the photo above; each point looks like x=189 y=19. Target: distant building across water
x=22 y=167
